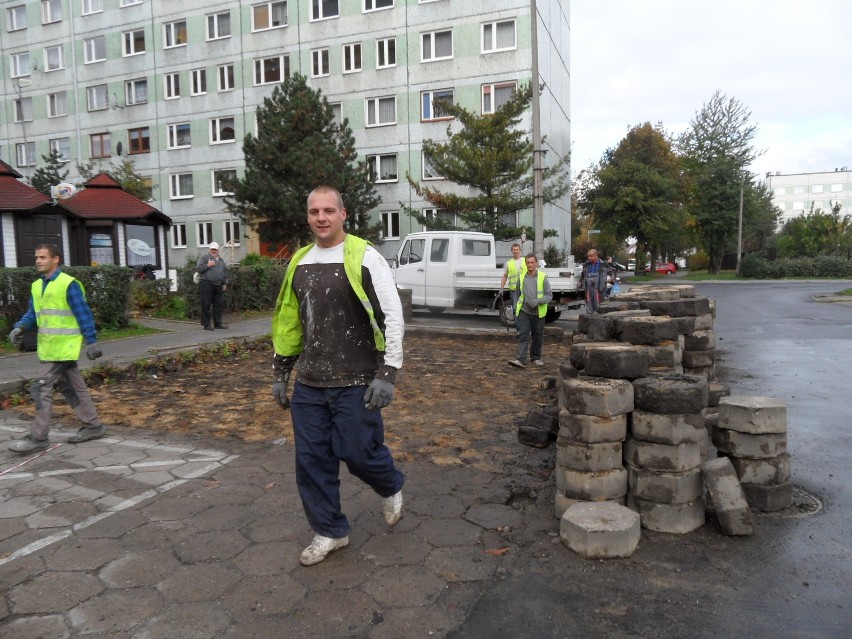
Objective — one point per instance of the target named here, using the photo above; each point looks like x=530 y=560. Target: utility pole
x=740 y=231
x=538 y=205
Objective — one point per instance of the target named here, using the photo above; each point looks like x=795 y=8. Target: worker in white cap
x=212 y=284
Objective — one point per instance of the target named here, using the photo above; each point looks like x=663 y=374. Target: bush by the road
x=755 y=266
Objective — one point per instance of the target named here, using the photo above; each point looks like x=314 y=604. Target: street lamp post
x=19 y=84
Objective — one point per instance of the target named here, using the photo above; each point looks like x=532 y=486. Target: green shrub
x=147 y=295
x=757 y=266
x=250 y=287
x=698 y=261
x=553 y=256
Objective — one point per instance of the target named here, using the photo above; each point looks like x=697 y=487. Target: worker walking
x=534 y=294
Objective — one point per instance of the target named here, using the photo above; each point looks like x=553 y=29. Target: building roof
x=104 y=199
x=16 y=195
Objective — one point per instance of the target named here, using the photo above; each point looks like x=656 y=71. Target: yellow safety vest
x=542 y=308
x=59 y=336
x=287 y=325
x=512 y=272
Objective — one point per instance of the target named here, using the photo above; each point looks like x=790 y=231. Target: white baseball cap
x=214 y=245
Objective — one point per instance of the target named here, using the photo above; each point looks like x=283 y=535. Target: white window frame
x=51 y=11
x=23 y=108
x=63 y=145
x=178 y=235
x=492 y=88
x=837 y=188
x=231 y=232
x=384 y=50
x=198 y=82
x=390 y=223
x=131 y=88
x=128 y=3
x=19 y=64
x=57 y=104
x=25 y=154
x=225 y=78
x=92 y=48
x=214 y=179
x=270 y=15
x=92 y=6
x=425 y=165
x=204 y=233
x=172 y=32
x=317 y=11
x=16 y=18
x=817 y=188
x=427 y=46
x=489 y=36
x=171 y=86
x=48 y=67
x=375 y=104
x=260 y=70
x=433 y=214
x=174 y=133
x=93 y=93
x=320 y=63
x=129 y=42
x=352 y=53
x=427 y=110
x=214 y=27
x=374 y=162
x=177 y=186
x=371 y=5
x=218 y=125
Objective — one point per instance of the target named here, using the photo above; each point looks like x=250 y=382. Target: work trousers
x=529 y=326
x=331 y=425
x=66 y=377
x=211 y=295
x=593 y=295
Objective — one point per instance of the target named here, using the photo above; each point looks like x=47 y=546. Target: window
x=16 y=18
x=219 y=25
x=412 y=251
x=438 y=219
x=798 y=189
x=51 y=11
x=816 y=188
x=96 y=97
x=20 y=63
x=139 y=140
x=385 y=53
x=178 y=136
x=225 y=77
x=351 y=57
x=798 y=206
x=319 y=63
x=220 y=179
x=836 y=188
x=383 y=167
x=62 y=146
x=496 y=95
x=23 y=109
x=57 y=104
x=498 y=36
x=322 y=9
x=432 y=106
x=372 y=5
x=437 y=45
x=390 y=225
x=133 y=42
x=204 y=233
x=174 y=34
x=337 y=111
x=179 y=235
x=94 y=49
x=270 y=70
x=480 y=248
x=92 y=6
x=146 y=240
x=222 y=130
x=100 y=145
x=129 y=3
x=429 y=172
x=780 y=191
x=269 y=15
x=232 y=233
x=171 y=85
x=180 y=186
x=198 y=82
x=136 y=91
x=25 y=153
x=54 y=58
x=381 y=111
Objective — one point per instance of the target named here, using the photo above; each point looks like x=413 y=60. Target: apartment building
x=174 y=86
x=796 y=193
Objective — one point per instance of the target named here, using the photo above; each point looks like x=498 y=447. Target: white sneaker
x=538 y=362
x=517 y=363
x=393 y=508
x=320 y=548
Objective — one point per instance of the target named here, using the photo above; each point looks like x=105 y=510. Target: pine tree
x=299 y=146
x=493 y=158
x=50 y=174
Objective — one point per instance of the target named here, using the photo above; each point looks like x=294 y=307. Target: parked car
x=664 y=268
x=631 y=265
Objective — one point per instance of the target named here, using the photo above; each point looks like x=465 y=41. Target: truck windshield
x=481 y=248
x=412 y=252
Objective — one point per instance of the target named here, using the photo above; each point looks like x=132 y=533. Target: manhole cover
x=804 y=504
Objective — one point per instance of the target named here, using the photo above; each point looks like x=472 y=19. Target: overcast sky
x=788 y=61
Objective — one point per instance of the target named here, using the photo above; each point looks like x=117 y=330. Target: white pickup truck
x=458 y=269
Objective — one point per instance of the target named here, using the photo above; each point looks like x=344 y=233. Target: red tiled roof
x=103 y=198
x=15 y=195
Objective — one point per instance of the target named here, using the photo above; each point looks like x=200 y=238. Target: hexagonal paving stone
x=83 y=554
x=339 y=613
x=259 y=596
x=403 y=586
x=53 y=592
x=448 y=532
x=62 y=515
x=269 y=558
x=115 y=610
x=200 y=582
x=224 y=517
x=113 y=526
x=395 y=549
x=171 y=508
x=462 y=564
x=139 y=569
x=121 y=456
x=187 y=621
x=52 y=626
x=437 y=506
x=211 y=546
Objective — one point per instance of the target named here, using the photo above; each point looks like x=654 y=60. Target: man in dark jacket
x=593 y=280
x=213 y=283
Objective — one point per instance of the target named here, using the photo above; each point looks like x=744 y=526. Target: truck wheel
x=507 y=315
x=552 y=316
x=435 y=310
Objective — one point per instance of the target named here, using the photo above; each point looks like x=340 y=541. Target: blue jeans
x=332 y=425
x=529 y=325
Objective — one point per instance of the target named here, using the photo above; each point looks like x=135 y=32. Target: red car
x=664 y=268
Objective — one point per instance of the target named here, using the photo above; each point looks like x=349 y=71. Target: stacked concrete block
x=600 y=530
x=752 y=433
x=664 y=452
x=727 y=497
x=540 y=427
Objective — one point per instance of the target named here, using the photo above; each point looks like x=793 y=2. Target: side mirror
x=393 y=262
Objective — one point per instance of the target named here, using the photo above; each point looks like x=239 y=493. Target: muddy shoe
x=27 y=445
x=392 y=507
x=517 y=363
x=86 y=433
x=320 y=548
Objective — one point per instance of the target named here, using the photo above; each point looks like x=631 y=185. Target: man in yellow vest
x=534 y=294
x=338 y=321
x=58 y=307
x=511 y=273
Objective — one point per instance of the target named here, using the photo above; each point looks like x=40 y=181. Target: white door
x=411 y=270
x=439 y=274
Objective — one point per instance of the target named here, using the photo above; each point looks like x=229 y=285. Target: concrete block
x=567 y=371
x=704 y=322
x=716 y=392
x=533 y=436
x=600 y=485
x=676 y=519
x=616 y=305
x=699 y=359
x=599 y=328
x=646 y=330
x=668 y=354
x=597 y=396
x=553 y=334
x=771 y=471
x=546 y=417
x=684 y=290
x=600 y=531
x=590 y=457
x=667 y=429
x=671 y=394
x=612 y=360
x=736 y=444
x=666 y=457
x=648 y=292
x=589 y=429
x=711 y=419
x=700 y=341
x=707 y=372
x=729 y=501
x=682 y=307
x=561 y=503
x=769 y=499
x=664 y=487
x=685 y=325
x=751 y=414
x=712 y=307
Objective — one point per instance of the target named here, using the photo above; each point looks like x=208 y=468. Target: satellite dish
x=118 y=148
x=62 y=191
x=139 y=247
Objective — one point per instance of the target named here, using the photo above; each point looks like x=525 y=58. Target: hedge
x=758 y=267
x=251 y=287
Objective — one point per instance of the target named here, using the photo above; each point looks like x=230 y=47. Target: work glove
x=16 y=337
x=93 y=351
x=282 y=367
x=380 y=392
